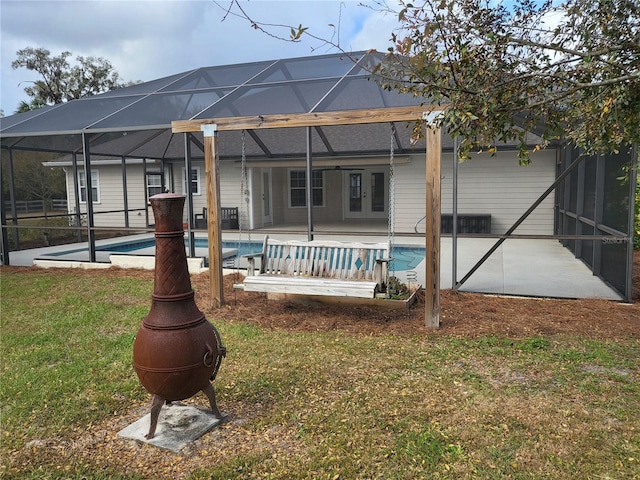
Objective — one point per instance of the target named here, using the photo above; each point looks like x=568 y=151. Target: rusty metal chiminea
x=177 y=352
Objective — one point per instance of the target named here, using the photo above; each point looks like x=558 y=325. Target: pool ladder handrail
x=415 y=227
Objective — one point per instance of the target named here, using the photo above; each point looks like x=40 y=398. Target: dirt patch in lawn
x=462 y=314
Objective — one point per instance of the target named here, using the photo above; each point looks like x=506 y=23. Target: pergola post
x=212 y=181
x=309 y=185
x=432 y=223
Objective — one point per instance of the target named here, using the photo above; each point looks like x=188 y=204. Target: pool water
x=127 y=246
x=404 y=257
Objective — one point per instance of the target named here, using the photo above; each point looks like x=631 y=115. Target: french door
x=366 y=193
x=267 y=207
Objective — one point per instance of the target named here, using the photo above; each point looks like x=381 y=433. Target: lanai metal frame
x=136 y=122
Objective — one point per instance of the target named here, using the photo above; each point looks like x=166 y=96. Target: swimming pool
x=405 y=257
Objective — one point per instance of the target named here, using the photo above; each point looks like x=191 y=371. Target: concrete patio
x=539 y=268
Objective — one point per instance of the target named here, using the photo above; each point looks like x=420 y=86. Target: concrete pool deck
x=538 y=268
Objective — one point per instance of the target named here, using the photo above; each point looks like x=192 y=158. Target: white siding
x=280 y=195
x=200 y=198
x=486 y=185
x=230 y=179
x=112 y=198
x=494 y=185
x=230 y=194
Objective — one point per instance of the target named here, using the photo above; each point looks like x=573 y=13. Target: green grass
x=65 y=352
x=305 y=405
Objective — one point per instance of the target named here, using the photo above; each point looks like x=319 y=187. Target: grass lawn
x=308 y=405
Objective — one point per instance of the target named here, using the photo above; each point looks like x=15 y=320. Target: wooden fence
x=33 y=206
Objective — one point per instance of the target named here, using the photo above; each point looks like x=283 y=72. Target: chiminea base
x=156 y=405
x=179 y=425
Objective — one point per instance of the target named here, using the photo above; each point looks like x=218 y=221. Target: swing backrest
x=324 y=259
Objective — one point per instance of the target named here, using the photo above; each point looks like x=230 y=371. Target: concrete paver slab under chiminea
x=178 y=425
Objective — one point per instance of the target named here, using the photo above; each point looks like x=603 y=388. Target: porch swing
x=322 y=267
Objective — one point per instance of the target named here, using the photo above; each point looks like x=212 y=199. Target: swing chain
x=392 y=206
x=244 y=196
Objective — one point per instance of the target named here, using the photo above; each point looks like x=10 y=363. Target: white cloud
x=375 y=32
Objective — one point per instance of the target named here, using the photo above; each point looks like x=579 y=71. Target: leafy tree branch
x=60 y=81
x=497 y=69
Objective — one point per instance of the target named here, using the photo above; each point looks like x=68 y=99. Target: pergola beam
x=319 y=119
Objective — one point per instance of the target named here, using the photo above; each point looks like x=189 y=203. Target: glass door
x=365 y=194
x=356 y=194
x=267 y=218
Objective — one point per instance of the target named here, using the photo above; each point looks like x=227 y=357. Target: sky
x=149 y=39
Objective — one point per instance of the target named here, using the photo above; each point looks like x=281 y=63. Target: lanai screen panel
x=72 y=116
x=154 y=110
x=282 y=142
x=615 y=215
x=363 y=92
x=62 y=144
x=19 y=118
x=215 y=77
x=270 y=99
x=145 y=88
x=322 y=83
x=594 y=201
x=318 y=67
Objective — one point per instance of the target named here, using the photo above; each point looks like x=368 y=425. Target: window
x=297 y=188
x=195 y=181
x=95 y=186
x=154 y=184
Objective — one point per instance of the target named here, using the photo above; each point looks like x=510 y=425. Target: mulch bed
x=462 y=314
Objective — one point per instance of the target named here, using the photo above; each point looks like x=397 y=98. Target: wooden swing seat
x=330 y=268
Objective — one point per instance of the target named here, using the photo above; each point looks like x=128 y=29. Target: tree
x=34 y=104
x=499 y=68
x=34 y=181
x=570 y=70
x=61 y=81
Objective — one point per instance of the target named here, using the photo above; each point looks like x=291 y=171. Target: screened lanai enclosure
x=356 y=179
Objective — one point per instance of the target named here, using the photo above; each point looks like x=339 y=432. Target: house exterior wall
x=282 y=212
x=486 y=185
x=230 y=194
x=280 y=196
x=111 y=198
x=199 y=198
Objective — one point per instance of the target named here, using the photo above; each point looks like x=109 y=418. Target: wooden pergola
x=210 y=127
